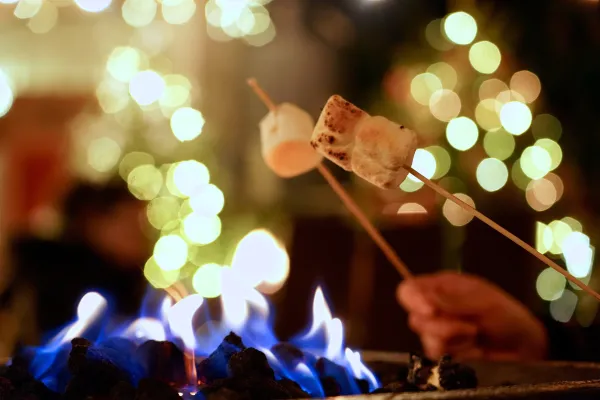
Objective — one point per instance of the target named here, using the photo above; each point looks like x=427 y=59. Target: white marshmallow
x=285 y=136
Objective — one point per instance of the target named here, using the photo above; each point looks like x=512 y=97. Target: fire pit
x=166 y=354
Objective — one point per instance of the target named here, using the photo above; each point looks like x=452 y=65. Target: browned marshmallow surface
x=381 y=149
x=333 y=136
x=375 y=148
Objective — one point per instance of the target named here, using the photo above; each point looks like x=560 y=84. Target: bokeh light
x=26 y=9
x=527 y=84
x=535 y=162
x=446 y=73
x=146 y=87
x=553 y=150
x=562 y=309
x=546 y=126
x=443 y=161
x=578 y=254
x=455 y=214
x=436 y=37
x=200 y=229
x=139 y=13
x=411 y=208
x=132 y=160
x=486 y=114
x=260 y=258
x=93 y=6
x=560 y=231
x=124 y=62
x=491 y=88
x=424 y=162
x=209 y=200
x=462 y=133
x=550 y=285
x=423 y=86
x=162 y=211
x=515 y=117
x=460 y=27
x=170 y=252
x=485 y=57
x=410 y=186
x=492 y=174
x=499 y=144
x=518 y=176
x=187 y=123
x=207 y=280
x=543 y=237
x=176 y=94
x=103 y=154
x=444 y=104
x=145 y=182
x=575 y=225
x=189 y=177
x=158 y=277
x=541 y=194
x=45 y=19
x=178 y=12
x=6 y=94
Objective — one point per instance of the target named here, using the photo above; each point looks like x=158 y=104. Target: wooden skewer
x=440 y=190
x=337 y=187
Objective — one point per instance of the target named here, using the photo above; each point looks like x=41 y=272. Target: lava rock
x=363 y=385
x=419 y=370
x=328 y=369
x=330 y=386
x=153 y=389
x=255 y=388
x=224 y=394
x=293 y=388
x=6 y=388
x=288 y=354
x=214 y=367
x=249 y=363
x=162 y=360
x=122 y=391
x=454 y=376
x=94 y=373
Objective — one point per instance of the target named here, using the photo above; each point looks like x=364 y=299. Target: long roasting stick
x=440 y=190
x=337 y=187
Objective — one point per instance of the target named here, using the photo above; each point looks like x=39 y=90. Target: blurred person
x=102 y=248
x=471 y=318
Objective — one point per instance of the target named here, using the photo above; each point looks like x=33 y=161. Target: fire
x=189 y=325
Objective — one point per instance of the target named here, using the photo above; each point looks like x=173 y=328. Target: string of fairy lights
x=137 y=94
x=226 y=19
x=505 y=112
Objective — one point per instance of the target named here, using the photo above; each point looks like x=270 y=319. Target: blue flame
x=243 y=310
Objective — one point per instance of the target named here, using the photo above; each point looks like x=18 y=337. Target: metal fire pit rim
x=402 y=358
x=484 y=393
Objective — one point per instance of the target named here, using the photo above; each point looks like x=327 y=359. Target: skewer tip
x=251 y=82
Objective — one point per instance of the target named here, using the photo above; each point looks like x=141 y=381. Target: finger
x=445 y=292
x=432 y=347
x=414 y=299
x=445 y=329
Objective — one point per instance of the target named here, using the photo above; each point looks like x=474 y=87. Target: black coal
x=117 y=369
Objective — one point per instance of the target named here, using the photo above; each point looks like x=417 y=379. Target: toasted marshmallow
x=285 y=136
x=334 y=133
x=381 y=149
x=375 y=148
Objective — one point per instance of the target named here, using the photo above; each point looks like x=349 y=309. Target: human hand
x=469 y=318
